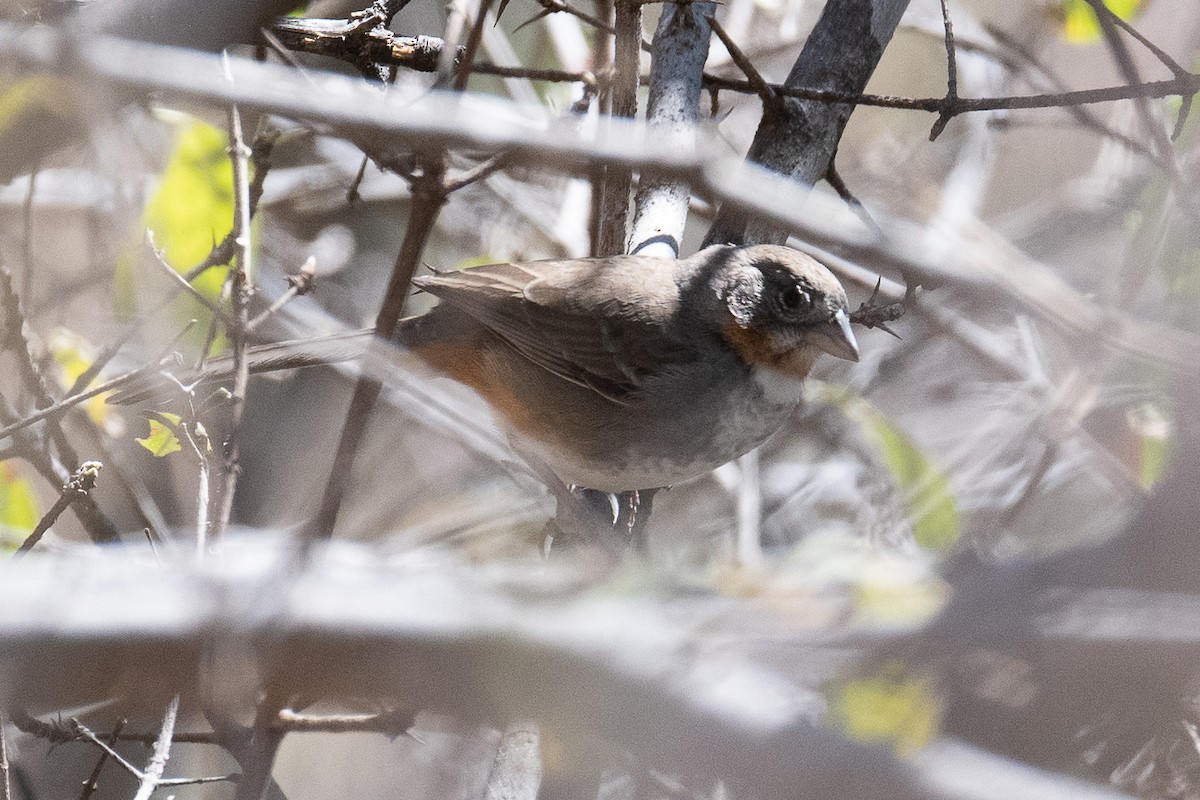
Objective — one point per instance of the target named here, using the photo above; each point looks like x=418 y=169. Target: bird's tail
x=271 y=357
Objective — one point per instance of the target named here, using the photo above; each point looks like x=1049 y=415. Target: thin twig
x=617 y=181
x=93 y=780
x=834 y=179
x=478 y=172
x=428 y=197
x=76 y=488
x=764 y=90
x=5 y=782
x=152 y=776
x=299 y=285
x=239 y=293
x=1177 y=70
x=258 y=756
x=951 y=73
x=473 y=39
x=27 y=237
x=260 y=160
x=184 y=284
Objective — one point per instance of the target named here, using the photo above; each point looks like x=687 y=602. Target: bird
x=628 y=372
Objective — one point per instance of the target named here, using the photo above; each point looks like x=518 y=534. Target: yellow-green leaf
x=161 y=441
x=931 y=505
x=895 y=706
x=188 y=213
x=74 y=355
x=18 y=507
x=1080 y=25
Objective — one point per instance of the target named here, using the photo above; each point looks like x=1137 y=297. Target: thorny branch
x=82 y=482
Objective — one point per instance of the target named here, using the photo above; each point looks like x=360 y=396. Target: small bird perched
x=629 y=372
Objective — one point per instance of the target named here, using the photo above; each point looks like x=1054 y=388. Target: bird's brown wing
x=602 y=325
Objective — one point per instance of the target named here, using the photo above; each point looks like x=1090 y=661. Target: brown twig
x=184 y=284
x=260 y=162
x=428 y=197
x=478 y=172
x=76 y=488
x=257 y=756
x=766 y=93
x=93 y=780
x=834 y=179
x=464 y=62
x=1176 y=69
x=617 y=181
x=951 y=74
x=239 y=293
x=300 y=284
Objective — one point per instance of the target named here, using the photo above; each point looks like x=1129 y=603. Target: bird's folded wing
x=607 y=333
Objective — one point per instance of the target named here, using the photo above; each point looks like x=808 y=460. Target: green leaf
x=930 y=504
x=895 y=706
x=162 y=441
x=18 y=507
x=188 y=213
x=1080 y=25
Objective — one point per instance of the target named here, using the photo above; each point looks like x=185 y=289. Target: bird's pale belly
x=684 y=439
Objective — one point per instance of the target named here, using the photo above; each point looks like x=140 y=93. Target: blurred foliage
x=1079 y=23
x=18 y=507
x=1153 y=431
x=74 y=355
x=895 y=706
x=931 y=505
x=38 y=115
x=162 y=441
x=190 y=211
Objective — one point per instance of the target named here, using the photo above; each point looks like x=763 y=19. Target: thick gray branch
x=799 y=137
x=679 y=52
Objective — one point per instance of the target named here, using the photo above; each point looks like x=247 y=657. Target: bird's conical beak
x=836 y=338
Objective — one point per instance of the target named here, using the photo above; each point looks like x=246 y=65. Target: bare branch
x=152 y=776
x=240 y=288
x=82 y=482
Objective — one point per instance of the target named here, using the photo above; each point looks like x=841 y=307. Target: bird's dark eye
x=793 y=297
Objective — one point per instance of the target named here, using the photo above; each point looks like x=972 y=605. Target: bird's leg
x=635 y=508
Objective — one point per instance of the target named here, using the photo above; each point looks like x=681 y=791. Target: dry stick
x=478 y=172
x=76 y=488
x=1129 y=72
x=239 y=294
x=618 y=180
x=390 y=723
x=467 y=58
x=428 y=197
x=766 y=93
x=1176 y=69
x=257 y=757
x=951 y=73
x=299 y=285
x=1081 y=114
x=93 y=780
x=5 y=783
x=184 y=284
x=162 y=751
x=260 y=159
x=27 y=236
x=83 y=733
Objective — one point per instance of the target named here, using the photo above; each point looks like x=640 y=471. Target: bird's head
x=782 y=308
